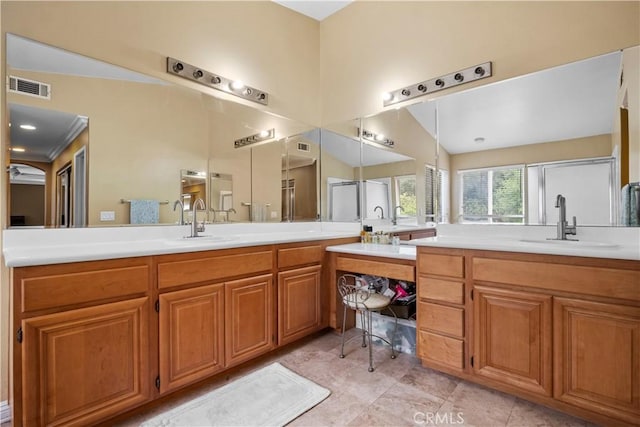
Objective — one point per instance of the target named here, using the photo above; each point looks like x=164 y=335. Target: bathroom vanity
x=563 y=331
x=96 y=338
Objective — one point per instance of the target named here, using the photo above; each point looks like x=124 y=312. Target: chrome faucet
x=195 y=228
x=181 y=204
x=563 y=227
x=394 y=221
x=381 y=211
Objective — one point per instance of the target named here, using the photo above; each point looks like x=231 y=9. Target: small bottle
x=363 y=235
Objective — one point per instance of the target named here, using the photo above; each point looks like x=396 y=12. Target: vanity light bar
x=253 y=139
x=439 y=83
x=376 y=138
x=216 y=81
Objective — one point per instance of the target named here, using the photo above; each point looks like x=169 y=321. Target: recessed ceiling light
x=18 y=149
x=387 y=96
x=28 y=127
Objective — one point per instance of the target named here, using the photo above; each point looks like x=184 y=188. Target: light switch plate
x=107 y=216
x=274 y=214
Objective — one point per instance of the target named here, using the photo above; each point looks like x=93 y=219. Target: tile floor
x=399 y=392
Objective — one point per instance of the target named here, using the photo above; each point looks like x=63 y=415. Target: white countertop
x=593 y=242
x=26 y=247
x=53 y=246
x=372 y=249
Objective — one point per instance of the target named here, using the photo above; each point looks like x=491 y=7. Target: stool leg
x=393 y=337
x=369 y=332
x=363 y=321
x=344 y=321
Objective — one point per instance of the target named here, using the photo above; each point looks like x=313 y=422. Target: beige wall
x=581 y=148
x=371 y=47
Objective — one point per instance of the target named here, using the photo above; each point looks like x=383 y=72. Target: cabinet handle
x=158 y=382
x=19 y=335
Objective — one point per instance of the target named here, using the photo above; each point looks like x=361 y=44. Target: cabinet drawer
x=175 y=273
x=440 y=349
x=441 y=265
x=377 y=268
x=448 y=320
x=291 y=257
x=58 y=290
x=441 y=290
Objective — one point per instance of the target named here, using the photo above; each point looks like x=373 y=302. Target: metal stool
x=357 y=296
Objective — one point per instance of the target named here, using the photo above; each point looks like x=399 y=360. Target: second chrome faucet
x=563 y=227
x=195 y=227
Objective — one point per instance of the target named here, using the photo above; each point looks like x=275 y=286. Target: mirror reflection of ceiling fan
x=25 y=174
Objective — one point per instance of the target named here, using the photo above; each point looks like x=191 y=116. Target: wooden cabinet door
x=299 y=305
x=513 y=338
x=80 y=366
x=191 y=335
x=597 y=357
x=249 y=312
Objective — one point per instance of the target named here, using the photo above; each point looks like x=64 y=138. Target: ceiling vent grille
x=29 y=87
x=303 y=147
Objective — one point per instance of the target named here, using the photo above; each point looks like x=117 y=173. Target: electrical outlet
x=274 y=214
x=107 y=216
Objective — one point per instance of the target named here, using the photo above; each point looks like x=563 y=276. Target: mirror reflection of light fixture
x=254 y=139
x=439 y=83
x=216 y=81
x=376 y=138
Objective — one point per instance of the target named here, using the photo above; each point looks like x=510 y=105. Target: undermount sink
x=571 y=243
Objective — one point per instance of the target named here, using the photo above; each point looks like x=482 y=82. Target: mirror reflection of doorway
x=27 y=195
x=56 y=143
x=63 y=197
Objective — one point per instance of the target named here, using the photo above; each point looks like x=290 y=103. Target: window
x=441 y=194
x=493 y=196
x=406 y=194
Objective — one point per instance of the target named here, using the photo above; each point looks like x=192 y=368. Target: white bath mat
x=271 y=396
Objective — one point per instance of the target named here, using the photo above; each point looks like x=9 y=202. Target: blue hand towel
x=144 y=211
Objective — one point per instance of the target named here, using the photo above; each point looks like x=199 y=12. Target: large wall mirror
x=99 y=137
x=506 y=150
x=340 y=178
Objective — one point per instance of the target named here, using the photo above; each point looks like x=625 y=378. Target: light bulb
x=237 y=85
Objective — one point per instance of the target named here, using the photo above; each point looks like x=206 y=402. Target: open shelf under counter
x=393 y=262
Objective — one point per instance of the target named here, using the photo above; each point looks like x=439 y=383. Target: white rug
x=271 y=396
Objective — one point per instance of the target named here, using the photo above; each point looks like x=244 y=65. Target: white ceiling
x=316 y=9
x=570 y=101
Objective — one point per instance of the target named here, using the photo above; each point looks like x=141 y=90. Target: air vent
x=303 y=147
x=29 y=87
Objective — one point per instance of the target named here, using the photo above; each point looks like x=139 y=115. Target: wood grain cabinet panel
x=441 y=290
x=213 y=268
x=439 y=318
x=299 y=301
x=441 y=265
x=441 y=350
x=85 y=365
x=46 y=287
x=291 y=257
x=191 y=335
x=249 y=323
x=597 y=357
x=513 y=338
